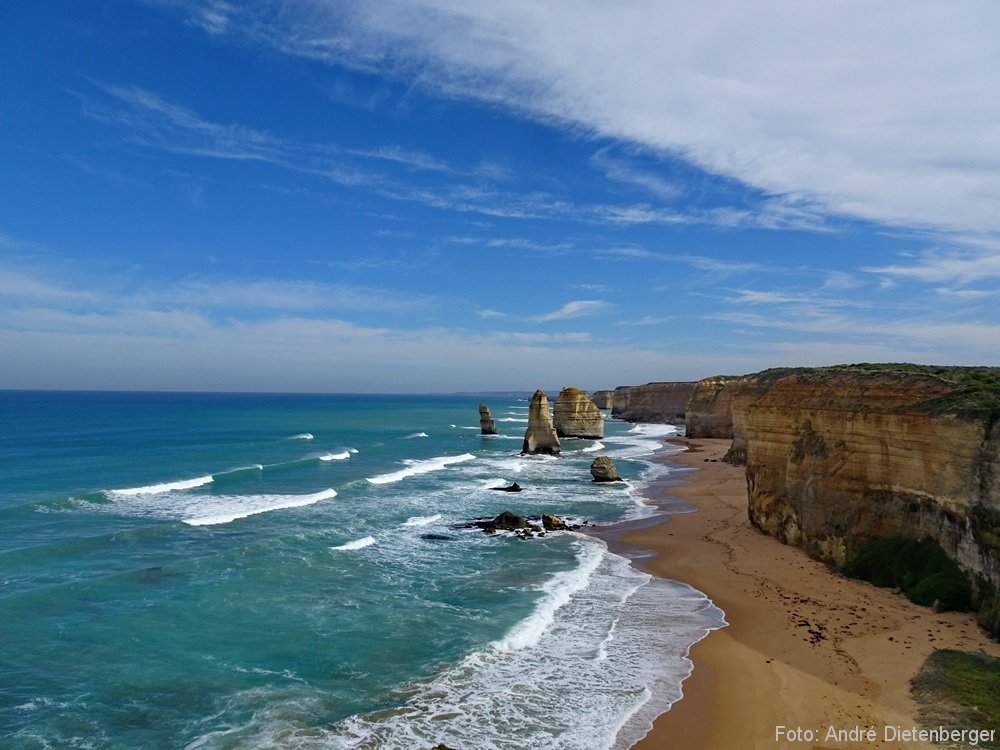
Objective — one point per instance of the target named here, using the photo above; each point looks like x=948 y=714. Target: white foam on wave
x=421 y=520
x=157 y=489
x=522 y=420
x=595 y=447
x=414 y=468
x=302 y=436
x=356 y=544
x=640 y=440
x=416 y=435
x=227 y=508
x=342 y=456
x=558 y=591
x=615 y=649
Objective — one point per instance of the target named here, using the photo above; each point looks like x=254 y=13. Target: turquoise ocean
x=289 y=571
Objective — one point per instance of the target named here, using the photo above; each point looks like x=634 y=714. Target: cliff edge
x=652 y=402
x=836 y=457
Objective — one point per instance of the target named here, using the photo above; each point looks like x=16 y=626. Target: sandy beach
x=806 y=650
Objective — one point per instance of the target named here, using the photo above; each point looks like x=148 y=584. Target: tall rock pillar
x=540 y=437
x=487 y=425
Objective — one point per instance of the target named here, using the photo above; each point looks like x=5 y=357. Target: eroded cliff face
x=603 y=399
x=575 y=415
x=836 y=457
x=652 y=402
x=709 y=412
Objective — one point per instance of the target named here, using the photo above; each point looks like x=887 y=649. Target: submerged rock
x=540 y=437
x=512 y=488
x=437 y=537
x=603 y=469
x=575 y=415
x=487 y=425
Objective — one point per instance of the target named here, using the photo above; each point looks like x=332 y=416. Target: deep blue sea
x=285 y=571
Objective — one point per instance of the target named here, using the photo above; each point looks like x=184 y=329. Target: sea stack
x=603 y=469
x=575 y=415
x=540 y=437
x=486 y=424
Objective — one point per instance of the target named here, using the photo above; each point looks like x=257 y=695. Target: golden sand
x=806 y=650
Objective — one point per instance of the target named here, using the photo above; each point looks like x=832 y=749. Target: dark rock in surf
x=603 y=470
x=512 y=488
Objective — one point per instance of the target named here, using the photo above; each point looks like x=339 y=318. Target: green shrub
x=921 y=569
x=959 y=689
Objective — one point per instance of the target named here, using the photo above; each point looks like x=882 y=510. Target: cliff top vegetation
x=975 y=392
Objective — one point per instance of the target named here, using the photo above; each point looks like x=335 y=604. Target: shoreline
x=805 y=647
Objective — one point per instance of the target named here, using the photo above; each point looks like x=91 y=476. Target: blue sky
x=439 y=196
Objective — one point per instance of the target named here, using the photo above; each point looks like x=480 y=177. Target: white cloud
x=417 y=160
x=949 y=267
x=575 y=309
x=885 y=112
x=626 y=172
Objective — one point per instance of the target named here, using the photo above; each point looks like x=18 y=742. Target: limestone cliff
x=838 y=456
x=709 y=412
x=540 y=437
x=603 y=399
x=652 y=402
x=487 y=425
x=575 y=415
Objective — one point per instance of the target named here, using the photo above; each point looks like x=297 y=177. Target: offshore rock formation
x=486 y=424
x=575 y=415
x=838 y=456
x=603 y=399
x=540 y=437
x=603 y=469
x=652 y=402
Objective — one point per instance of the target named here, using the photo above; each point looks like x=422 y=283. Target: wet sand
x=806 y=649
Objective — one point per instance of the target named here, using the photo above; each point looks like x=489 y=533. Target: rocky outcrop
x=555 y=523
x=540 y=437
x=603 y=399
x=836 y=457
x=652 y=402
x=575 y=415
x=487 y=426
x=603 y=469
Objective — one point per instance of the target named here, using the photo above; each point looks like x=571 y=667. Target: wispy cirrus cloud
x=417 y=160
x=967 y=266
x=575 y=309
x=816 y=106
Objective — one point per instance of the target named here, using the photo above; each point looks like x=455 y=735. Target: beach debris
x=487 y=425
x=540 y=437
x=603 y=469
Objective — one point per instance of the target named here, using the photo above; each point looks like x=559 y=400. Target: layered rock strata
x=540 y=437
x=603 y=399
x=838 y=456
x=652 y=402
x=575 y=415
x=709 y=412
x=487 y=426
